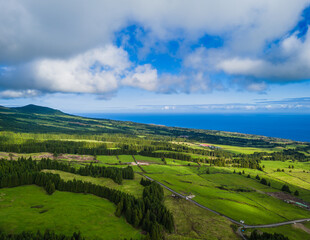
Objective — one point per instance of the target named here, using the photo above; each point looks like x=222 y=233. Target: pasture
x=129 y=186
x=231 y=194
x=29 y=208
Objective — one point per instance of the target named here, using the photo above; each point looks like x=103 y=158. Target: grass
x=176 y=162
x=107 y=159
x=253 y=207
x=234 y=149
x=129 y=186
x=62 y=212
x=125 y=158
x=293 y=232
x=192 y=222
x=233 y=195
x=148 y=159
x=245 y=150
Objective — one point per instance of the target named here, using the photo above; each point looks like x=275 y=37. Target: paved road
x=239 y=231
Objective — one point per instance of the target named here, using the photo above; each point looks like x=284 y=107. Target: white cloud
x=289 y=61
x=168 y=108
x=29 y=29
x=240 y=66
x=99 y=71
x=67 y=46
x=96 y=71
x=144 y=77
x=7 y=94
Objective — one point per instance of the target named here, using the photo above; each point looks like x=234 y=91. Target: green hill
x=37 y=119
x=31 y=108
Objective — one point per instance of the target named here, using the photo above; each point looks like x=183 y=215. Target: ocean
x=289 y=126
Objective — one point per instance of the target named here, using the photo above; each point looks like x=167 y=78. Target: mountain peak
x=31 y=108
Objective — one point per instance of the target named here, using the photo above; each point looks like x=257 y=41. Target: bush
x=263 y=181
x=286 y=188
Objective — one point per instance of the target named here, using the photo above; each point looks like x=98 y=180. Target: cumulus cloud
x=7 y=94
x=99 y=71
x=289 y=61
x=144 y=77
x=67 y=46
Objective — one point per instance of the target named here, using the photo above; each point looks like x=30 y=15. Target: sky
x=156 y=56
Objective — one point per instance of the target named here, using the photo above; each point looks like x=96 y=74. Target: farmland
x=29 y=208
x=239 y=176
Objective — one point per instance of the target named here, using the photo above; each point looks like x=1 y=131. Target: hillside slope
x=37 y=119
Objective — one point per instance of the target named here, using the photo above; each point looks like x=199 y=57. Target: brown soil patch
x=82 y=158
x=302 y=227
x=68 y=157
x=286 y=196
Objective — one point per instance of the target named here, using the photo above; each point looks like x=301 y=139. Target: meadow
x=191 y=221
x=223 y=179
x=29 y=208
x=231 y=194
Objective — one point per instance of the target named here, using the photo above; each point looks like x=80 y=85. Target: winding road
x=242 y=226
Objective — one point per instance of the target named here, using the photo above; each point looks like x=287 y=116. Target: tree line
x=267 y=236
x=46 y=235
x=116 y=174
x=149 y=213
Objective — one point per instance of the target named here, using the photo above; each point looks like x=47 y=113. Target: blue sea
x=289 y=126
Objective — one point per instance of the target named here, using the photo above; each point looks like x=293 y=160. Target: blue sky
x=143 y=56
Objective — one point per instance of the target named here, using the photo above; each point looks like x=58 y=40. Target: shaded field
x=29 y=208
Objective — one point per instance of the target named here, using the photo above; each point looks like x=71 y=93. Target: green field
x=125 y=158
x=191 y=221
x=107 y=159
x=245 y=150
x=293 y=232
x=148 y=159
x=129 y=186
x=220 y=191
x=211 y=175
x=29 y=208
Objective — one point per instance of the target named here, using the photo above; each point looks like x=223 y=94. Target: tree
x=119 y=209
x=50 y=187
x=263 y=181
x=249 y=176
x=257 y=177
x=296 y=193
x=286 y=188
